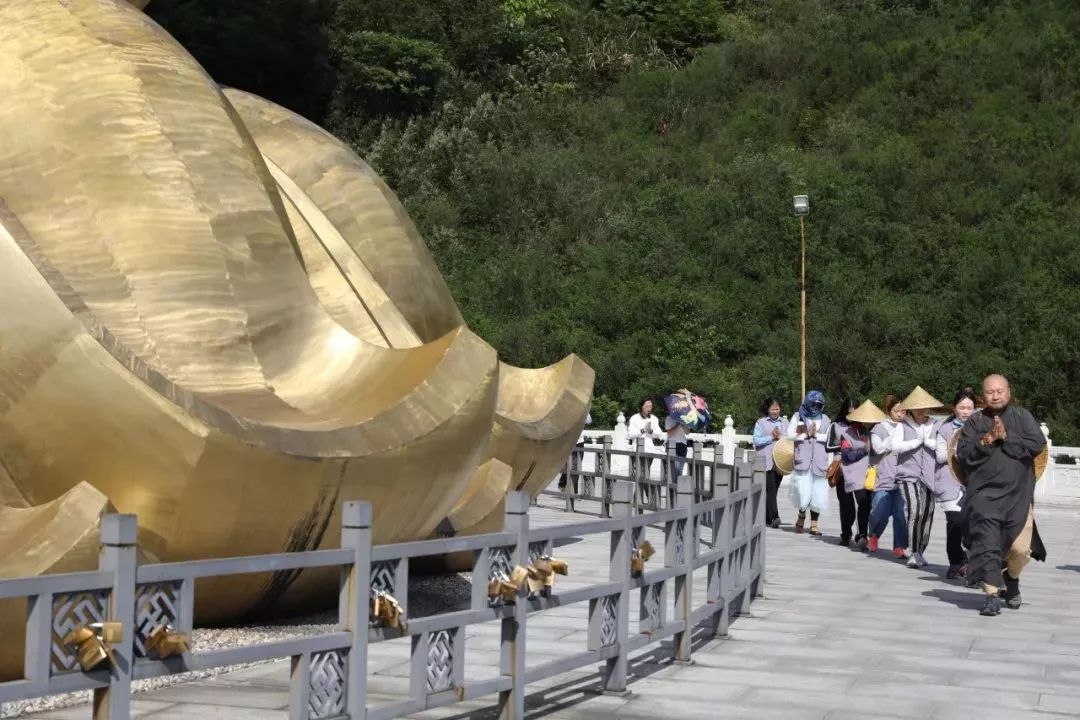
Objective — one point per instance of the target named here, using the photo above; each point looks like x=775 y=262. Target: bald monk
x=997 y=448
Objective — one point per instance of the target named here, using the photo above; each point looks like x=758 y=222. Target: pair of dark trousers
x=773 y=478
x=853 y=506
x=954 y=538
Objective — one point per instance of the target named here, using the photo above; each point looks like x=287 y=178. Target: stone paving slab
x=838 y=636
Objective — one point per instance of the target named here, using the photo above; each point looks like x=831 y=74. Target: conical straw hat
x=919 y=399
x=868 y=413
x=783 y=455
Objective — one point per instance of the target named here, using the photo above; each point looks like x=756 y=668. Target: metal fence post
x=684 y=583
x=119 y=557
x=512 y=650
x=353 y=603
x=616 y=669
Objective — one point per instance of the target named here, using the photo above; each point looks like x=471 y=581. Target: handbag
x=871 y=478
x=833 y=474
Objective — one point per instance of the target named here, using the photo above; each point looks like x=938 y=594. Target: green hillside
x=615 y=178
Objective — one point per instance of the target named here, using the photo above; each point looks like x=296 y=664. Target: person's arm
x=793 y=427
x=1026 y=439
x=832 y=439
x=851 y=451
x=760 y=439
x=970 y=450
x=941 y=449
x=633 y=428
x=899 y=444
x=655 y=425
x=881 y=443
x=930 y=437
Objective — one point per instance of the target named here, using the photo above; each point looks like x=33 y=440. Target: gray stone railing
x=723 y=532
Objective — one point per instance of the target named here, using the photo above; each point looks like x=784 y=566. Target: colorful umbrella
x=689 y=410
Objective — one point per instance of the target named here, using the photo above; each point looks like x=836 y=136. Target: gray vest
x=858 y=443
x=886 y=464
x=920 y=464
x=810 y=454
x=946 y=486
x=765 y=426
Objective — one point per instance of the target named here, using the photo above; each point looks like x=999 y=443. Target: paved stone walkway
x=838 y=636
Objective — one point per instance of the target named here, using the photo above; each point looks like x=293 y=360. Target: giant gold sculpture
x=218 y=317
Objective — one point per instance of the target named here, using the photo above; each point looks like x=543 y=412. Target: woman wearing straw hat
x=947 y=489
x=767 y=430
x=854 y=446
x=915 y=443
x=887 y=500
x=809 y=428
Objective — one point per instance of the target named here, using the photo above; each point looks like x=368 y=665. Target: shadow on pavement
x=970 y=600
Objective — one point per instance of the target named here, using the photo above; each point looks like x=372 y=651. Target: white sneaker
x=912 y=562
x=917 y=557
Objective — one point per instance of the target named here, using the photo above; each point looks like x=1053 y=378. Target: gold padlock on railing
x=385 y=610
x=543 y=571
x=165 y=642
x=505 y=588
x=90 y=650
x=640 y=556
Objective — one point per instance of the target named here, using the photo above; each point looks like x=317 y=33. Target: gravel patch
x=428 y=595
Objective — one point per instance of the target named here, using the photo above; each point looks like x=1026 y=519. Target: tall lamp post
x=802 y=209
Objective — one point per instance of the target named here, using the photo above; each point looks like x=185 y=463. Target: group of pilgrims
x=899 y=463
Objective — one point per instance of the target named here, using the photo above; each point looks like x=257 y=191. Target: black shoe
x=971 y=581
x=991 y=607
x=775 y=523
x=845 y=540
x=1012 y=592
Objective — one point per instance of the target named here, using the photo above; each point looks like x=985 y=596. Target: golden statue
x=217 y=316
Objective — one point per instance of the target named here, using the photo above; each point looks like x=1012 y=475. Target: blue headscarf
x=813 y=405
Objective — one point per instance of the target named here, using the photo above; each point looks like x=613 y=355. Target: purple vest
x=810 y=454
x=854 y=470
x=946 y=486
x=765 y=426
x=920 y=464
x=886 y=464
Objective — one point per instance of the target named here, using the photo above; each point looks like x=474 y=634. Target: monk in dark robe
x=997 y=449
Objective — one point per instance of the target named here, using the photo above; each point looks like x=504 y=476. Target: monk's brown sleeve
x=1025 y=437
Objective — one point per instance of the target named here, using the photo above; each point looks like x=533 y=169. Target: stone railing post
x=685 y=551
x=119 y=557
x=642 y=492
x=618 y=435
x=512 y=650
x=728 y=435
x=603 y=462
x=757 y=494
x=616 y=668
x=353 y=602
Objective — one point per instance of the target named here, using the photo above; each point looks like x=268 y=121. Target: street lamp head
x=802 y=204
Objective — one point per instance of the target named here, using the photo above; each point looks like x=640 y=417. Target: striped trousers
x=920 y=514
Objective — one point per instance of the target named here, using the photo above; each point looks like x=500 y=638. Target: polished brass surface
x=218 y=317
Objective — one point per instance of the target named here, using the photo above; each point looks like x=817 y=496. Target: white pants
x=809 y=491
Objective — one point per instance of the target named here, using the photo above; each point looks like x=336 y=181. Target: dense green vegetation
x=614 y=178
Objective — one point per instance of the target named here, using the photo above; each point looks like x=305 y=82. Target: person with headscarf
x=769 y=428
x=947 y=489
x=887 y=500
x=809 y=428
x=996 y=451
x=854 y=448
x=915 y=445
